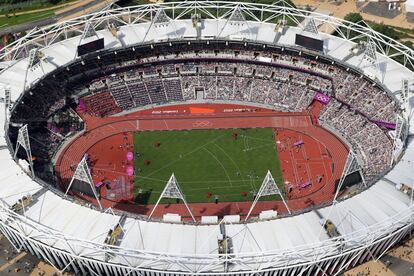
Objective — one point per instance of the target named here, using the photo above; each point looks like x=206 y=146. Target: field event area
x=228 y=165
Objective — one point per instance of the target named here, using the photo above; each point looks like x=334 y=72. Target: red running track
x=323 y=153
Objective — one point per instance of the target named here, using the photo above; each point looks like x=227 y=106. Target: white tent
x=409 y=6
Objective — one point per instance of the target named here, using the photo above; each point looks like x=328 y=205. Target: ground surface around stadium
x=318 y=161
x=225 y=165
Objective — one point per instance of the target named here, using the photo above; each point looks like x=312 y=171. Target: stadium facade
x=72 y=235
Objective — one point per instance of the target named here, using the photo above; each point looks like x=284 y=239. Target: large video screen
x=82 y=187
x=309 y=42
x=91 y=47
x=350 y=180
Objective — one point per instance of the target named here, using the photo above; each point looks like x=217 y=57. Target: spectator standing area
x=220 y=154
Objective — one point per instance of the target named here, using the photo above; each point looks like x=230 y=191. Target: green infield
x=230 y=164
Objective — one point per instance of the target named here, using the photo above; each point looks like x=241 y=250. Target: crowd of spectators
x=283 y=80
x=365 y=97
x=173 y=89
x=279 y=87
x=58 y=105
x=283 y=88
x=208 y=68
x=101 y=104
x=368 y=138
x=282 y=95
x=47 y=137
x=156 y=91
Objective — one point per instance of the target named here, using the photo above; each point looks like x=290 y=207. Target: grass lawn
x=24 y=18
x=205 y=161
x=30 y=6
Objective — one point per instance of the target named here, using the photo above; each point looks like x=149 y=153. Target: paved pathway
x=79 y=8
x=67 y=5
x=340 y=10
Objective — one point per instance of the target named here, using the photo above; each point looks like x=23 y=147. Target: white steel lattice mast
x=370 y=55
x=236 y=19
x=24 y=142
x=352 y=165
x=7 y=103
x=160 y=21
x=35 y=58
x=83 y=174
x=172 y=190
x=269 y=187
x=311 y=26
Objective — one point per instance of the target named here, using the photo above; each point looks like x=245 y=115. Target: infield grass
x=206 y=163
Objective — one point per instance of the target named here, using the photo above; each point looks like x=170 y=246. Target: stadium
x=206 y=138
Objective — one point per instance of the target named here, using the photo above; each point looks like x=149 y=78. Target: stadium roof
x=409 y=6
x=356 y=218
x=81 y=230
x=390 y=73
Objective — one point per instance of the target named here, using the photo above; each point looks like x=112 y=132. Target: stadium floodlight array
x=352 y=165
x=235 y=18
x=370 y=55
x=24 y=142
x=7 y=105
x=370 y=52
x=311 y=26
x=405 y=91
x=89 y=32
x=172 y=190
x=113 y=29
x=400 y=134
x=82 y=173
x=161 y=18
x=268 y=187
x=35 y=57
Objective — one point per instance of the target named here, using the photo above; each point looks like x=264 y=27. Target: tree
x=353 y=17
x=409 y=44
x=386 y=30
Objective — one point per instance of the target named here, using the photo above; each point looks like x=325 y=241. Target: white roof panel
x=378 y=205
